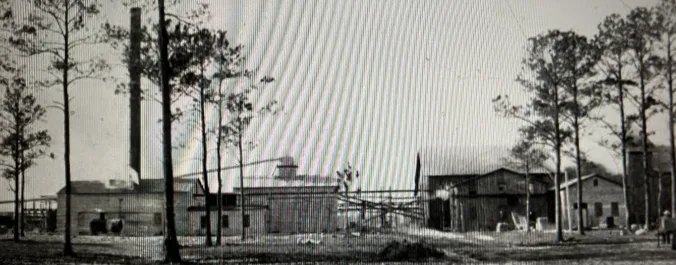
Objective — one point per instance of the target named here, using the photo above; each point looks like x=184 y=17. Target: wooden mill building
x=482 y=190
x=285 y=203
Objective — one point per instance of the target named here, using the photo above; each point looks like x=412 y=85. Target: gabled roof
x=587 y=177
x=488 y=174
x=465 y=160
x=517 y=173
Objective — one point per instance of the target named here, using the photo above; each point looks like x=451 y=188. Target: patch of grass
x=512 y=247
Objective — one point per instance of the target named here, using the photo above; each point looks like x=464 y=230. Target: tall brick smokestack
x=135 y=91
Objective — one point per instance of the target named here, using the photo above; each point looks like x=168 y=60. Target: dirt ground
x=597 y=247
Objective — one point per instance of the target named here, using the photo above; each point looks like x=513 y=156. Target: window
x=584 y=205
x=246 y=220
x=472 y=186
x=596 y=182
x=203 y=221
x=598 y=209
x=225 y=222
x=614 y=209
x=157 y=218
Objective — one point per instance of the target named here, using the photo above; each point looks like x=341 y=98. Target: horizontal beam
x=31 y=200
x=231 y=167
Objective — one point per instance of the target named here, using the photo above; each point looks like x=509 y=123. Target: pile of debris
x=409 y=251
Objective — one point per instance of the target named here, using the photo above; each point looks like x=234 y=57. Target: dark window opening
x=598 y=209
x=584 y=205
x=157 y=218
x=473 y=187
x=246 y=221
x=614 y=209
x=596 y=182
x=512 y=200
x=225 y=222
x=229 y=200
x=203 y=221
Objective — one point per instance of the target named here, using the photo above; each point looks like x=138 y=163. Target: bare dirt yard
x=597 y=247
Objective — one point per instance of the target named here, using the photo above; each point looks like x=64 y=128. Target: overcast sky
x=365 y=82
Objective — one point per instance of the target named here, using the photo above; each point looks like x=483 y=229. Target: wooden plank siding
x=302 y=214
x=475 y=201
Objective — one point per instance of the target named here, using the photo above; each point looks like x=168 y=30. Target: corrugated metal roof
x=465 y=160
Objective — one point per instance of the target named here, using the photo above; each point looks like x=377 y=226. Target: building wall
x=302 y=214
x=478 y=203
x=604 y=193
x=233 y=225
x=481 y=212
x=510 y=183
x=286 y=210
x=310 y=209
x=291 y=212
x=138 y=209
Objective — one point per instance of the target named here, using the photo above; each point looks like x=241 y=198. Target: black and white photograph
x=337 y=132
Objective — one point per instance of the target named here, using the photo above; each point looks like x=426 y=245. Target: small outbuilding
x=602 y=202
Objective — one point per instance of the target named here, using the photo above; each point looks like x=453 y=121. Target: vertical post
x=462 y=217
x=528 y=191
x=135 y=91
x=570 y=223
x=388 y=213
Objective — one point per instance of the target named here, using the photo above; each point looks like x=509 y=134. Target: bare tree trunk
x=219 y=203
x=68 y=246
x=205 y=178
x=527 y=198
x=16 y=205
x=347 y=210
x=241 y=179
x=557 y=177
x=644 y=143
x=171 y=247
x=658 y=178
x=672 y=146
x=23 y=196
x=578 y=167
x=623 y=135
